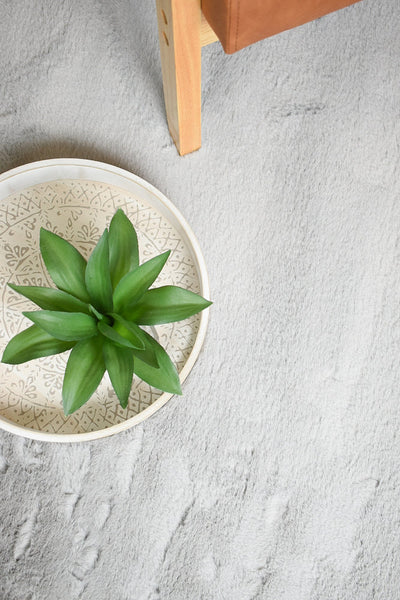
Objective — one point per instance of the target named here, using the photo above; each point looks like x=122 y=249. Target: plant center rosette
x=97 y=311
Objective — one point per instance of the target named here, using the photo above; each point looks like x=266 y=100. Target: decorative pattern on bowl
x=79 y=210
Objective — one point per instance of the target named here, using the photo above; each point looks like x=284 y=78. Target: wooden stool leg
x=179 y=27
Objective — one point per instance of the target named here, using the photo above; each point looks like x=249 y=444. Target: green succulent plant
x=96 y=312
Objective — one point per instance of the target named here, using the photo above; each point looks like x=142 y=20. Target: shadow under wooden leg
x=179 y=27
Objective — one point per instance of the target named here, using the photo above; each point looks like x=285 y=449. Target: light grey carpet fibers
x=276 y=475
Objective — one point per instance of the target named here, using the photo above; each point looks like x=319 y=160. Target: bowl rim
x=35 y=434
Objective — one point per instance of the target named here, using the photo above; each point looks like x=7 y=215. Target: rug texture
x=276 y=475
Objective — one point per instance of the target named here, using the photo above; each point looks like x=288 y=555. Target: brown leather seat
x=184 y=26
x=239 y=23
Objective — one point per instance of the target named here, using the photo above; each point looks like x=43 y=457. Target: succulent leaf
x=132 y=287
x=127 y=328
x=119 y=364
x=165 y=377
x=50 y=298
x=97 y=314
x=97 y=276
x=84 y=371
x=112 y=334
x=64 y=263
x=64 y=325
x=167 y=304
x=33 y=343
x=123 y=247
x=130 y=330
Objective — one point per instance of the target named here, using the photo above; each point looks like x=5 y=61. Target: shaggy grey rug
x=276 y=475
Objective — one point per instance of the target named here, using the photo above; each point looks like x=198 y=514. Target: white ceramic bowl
x=77 y=198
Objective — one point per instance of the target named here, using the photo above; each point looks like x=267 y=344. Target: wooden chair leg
x=179 y=27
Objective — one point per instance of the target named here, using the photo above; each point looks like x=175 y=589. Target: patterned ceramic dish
x=76 y=199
